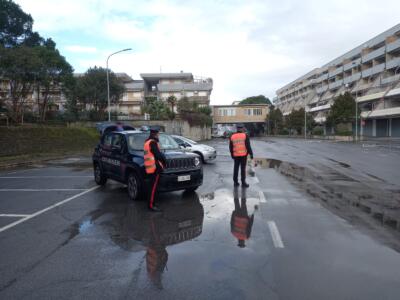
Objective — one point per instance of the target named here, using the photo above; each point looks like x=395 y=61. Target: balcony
x=393 y=63
x=374 y=70
x=320 y=108
x=322 y=77
x=335 y=72
x=336 y=84
x=352 y=64
x=322 y=89
x=391 y=79
x=393 y=46
x=374 y=54
x=352 y=78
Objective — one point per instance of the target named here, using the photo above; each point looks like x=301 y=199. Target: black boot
x=245 y=184
x=236 y=184
x=155 y=209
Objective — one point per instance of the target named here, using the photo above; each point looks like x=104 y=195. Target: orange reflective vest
x=149 y=159
x=239 y=144
x=239 y=227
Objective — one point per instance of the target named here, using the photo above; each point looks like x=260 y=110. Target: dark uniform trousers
x=152 y=187
x=239 y=162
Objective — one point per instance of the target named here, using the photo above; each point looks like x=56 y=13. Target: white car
x=206 y=152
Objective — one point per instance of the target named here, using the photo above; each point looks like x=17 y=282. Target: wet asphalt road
x=77 y=241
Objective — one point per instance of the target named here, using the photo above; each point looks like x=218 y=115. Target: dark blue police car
x=119 y=156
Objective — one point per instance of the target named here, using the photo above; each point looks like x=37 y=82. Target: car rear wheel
x=133 y=186
x=99 y=177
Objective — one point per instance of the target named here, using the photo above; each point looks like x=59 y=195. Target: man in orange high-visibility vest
x=154 y=162
x=239 y=146
x=241 y=222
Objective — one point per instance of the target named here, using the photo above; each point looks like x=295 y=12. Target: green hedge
x=16 y=141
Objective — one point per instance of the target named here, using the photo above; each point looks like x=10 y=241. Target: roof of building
x=153 y=76
x=241 y=105
x=177 y=87
x=137 y=85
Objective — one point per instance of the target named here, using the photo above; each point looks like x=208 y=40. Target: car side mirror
x=182 y=145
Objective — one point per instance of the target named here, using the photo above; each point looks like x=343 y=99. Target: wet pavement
x=274 y=240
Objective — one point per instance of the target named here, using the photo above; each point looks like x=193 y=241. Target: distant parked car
x=206 y=152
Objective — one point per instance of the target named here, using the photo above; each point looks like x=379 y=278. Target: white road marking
x=262 y=197
x=47 y=209
x=34 y=177
x=14 y=215
x=276 y=237
x=40 y=190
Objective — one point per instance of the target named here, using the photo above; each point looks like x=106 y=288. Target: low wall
x=339 y=138
x=179 y=127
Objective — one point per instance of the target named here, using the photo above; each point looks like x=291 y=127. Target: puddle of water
x=266 y=163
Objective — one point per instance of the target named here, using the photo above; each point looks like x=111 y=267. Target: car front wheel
x=133 y=186
x=99 y=177
x=191 y=190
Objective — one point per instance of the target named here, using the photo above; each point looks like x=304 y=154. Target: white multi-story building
x=370 y=72
x=162 y=86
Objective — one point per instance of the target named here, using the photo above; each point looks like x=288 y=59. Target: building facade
x=253 y=116
x=370 y=72
x=162 y=86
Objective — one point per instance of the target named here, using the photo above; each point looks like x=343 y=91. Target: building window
x=253 y=112
x=203 y=94
x=257 y=111
x=227 y=112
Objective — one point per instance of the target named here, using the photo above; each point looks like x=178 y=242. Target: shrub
x=318 y=130
x=344 y=133
x=284 y=132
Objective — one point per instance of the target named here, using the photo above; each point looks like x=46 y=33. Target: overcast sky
x=247 y=47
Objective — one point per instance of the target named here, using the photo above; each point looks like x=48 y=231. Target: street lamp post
x=305 y=118
x=108 y=81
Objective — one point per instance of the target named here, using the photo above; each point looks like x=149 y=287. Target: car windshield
x=136 y=141
x=189 y=140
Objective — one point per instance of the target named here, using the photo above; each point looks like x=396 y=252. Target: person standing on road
x=154 y=162
x=240 y=148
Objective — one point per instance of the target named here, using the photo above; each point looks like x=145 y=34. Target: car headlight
x=196 y=161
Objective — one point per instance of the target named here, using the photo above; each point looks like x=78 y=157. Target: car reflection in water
x=241 y=222
x=180 y=221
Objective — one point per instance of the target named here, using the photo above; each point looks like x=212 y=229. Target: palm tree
x=172 y=101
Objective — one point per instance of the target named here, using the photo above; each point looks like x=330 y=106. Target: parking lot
x=64 y=237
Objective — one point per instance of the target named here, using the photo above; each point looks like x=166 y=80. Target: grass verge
x=21 y=144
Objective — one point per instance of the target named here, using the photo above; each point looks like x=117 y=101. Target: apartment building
x=252 y=115
x=370 y=72
x=162 y=86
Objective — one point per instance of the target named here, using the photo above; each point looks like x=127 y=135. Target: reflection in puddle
x=85 y=225
x=241 y=222
x=180 y=221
